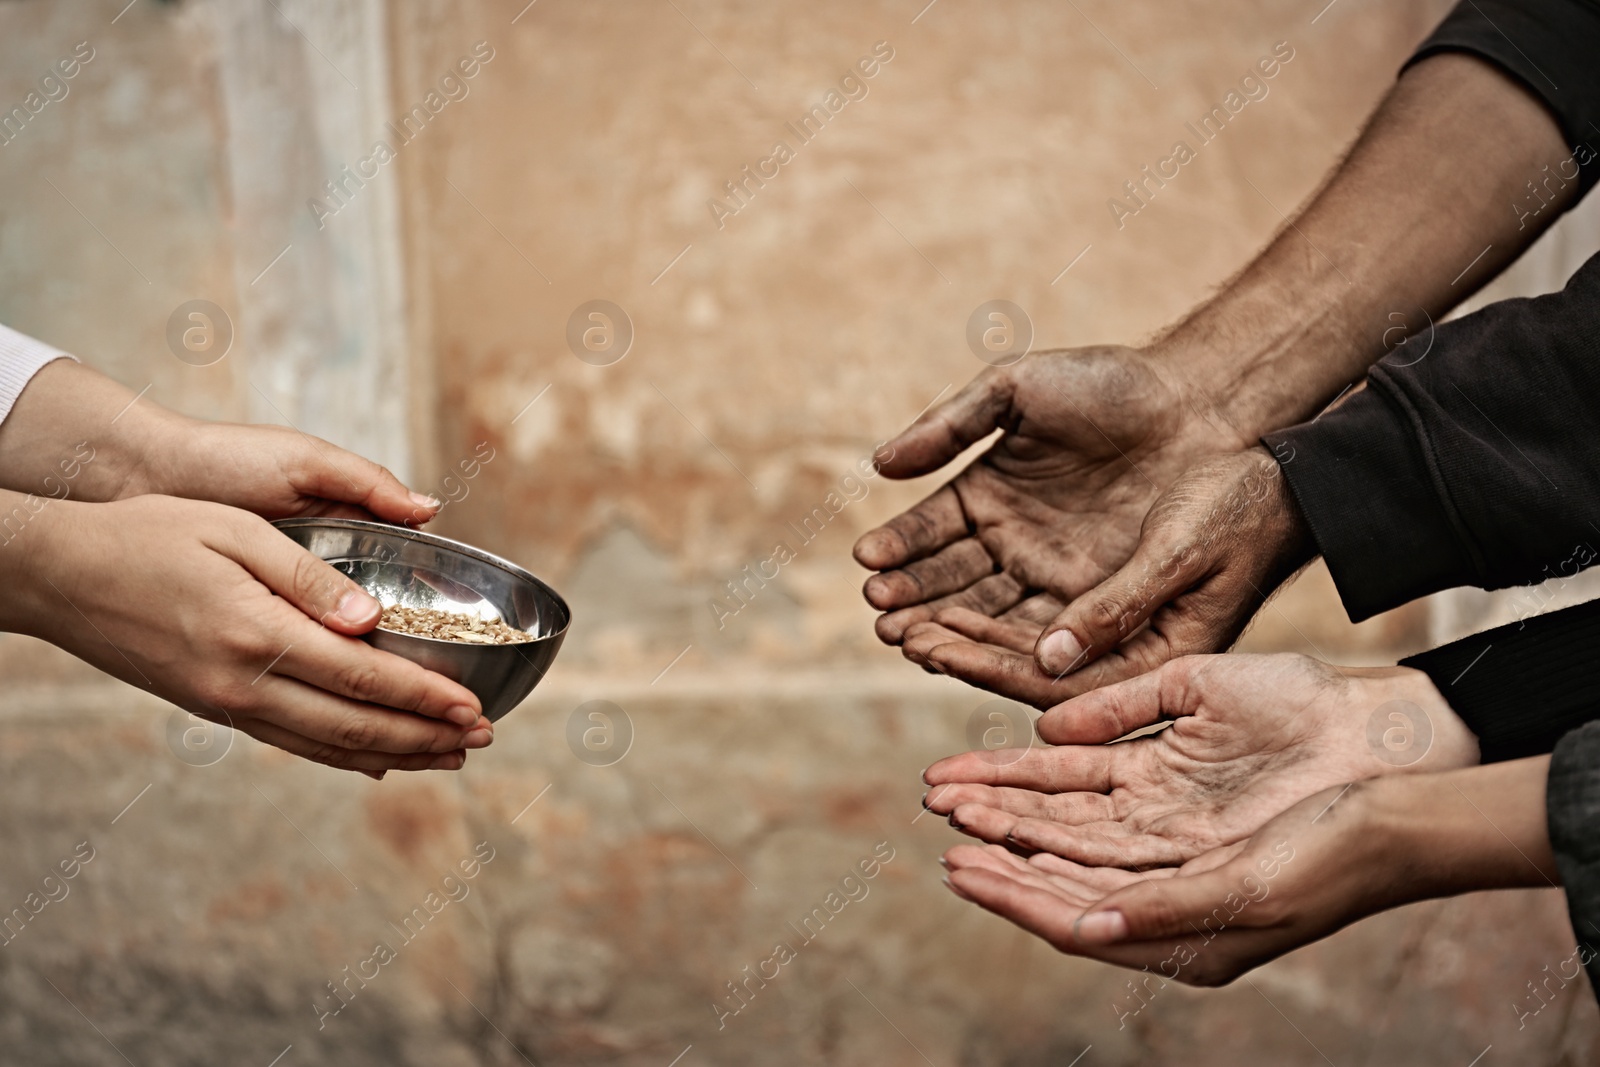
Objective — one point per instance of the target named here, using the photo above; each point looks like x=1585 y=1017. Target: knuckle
x=357 y=731
x=1269 y=910
x=332 y=756
x=1157 y=917
x=1105 y=618
x=363 y=681
x=225 y=695
x=310 y=581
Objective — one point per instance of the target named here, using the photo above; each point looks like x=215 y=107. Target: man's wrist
x=1193 y=372
x=1462 y=830
x=1246 y=382
x=1408 y=724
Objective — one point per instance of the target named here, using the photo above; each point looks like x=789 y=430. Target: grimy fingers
x=949 y=570
x=921 y=530
x=1006 y=631
x=1106 y=844
x=1097 y=621
x=1010 y=674
x=944 y=432
x=1063 y=769
x=1117 y=708
x=990 y=595
x=1069 y=808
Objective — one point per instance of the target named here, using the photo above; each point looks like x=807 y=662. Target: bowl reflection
x=410 y=568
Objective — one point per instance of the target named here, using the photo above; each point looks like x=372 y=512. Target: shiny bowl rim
x=439 y=541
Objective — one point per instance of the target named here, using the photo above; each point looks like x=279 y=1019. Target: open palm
x=1090 y=437
x=1250 y=737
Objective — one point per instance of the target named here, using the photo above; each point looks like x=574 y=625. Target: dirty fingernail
x=1060 y=651
x=423 y=500
x=376 y=776
x=357 y=607
x=462 y=716
x=450 y=761
x=1100 y=928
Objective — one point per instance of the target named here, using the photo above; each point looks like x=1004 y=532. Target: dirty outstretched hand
x=1250 y=736
x=1089 y=438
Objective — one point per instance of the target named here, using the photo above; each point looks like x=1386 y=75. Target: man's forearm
x=1457 y=831
x=1399 y=229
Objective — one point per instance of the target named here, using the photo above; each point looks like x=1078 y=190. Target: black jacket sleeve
x=1572 y=815
x=1552 y=47
x=1471 y=458
x=1520 y=687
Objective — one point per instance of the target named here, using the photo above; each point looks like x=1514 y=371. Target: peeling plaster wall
x=770 y=754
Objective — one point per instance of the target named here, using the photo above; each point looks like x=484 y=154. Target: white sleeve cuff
x=20 y=359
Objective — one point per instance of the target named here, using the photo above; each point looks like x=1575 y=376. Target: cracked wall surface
x=774 y=744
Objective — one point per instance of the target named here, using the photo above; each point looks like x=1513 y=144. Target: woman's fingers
x=318 y=469
x=297 y=576
x=923 y=637
x=349 y=758
x=1037 y=909
x=983 y=822
x=1000 y=861
x=335 y=721
x=351 y=668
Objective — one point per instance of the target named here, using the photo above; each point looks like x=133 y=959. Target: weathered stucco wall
x=426 y=312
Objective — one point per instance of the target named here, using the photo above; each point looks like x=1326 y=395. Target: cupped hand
x=1211 y=549
x=1089 y=438
x=74 y=433
x=211 y=608
x=1336 y=856
x=277 y=473
x=1303 y=875
x=1250 y=736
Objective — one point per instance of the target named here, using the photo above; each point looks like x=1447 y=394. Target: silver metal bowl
x=410 y=568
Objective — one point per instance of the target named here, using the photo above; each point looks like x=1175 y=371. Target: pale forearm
x=1458 y=831
x=76 y=433
x=28 y=542
x=1385 y=244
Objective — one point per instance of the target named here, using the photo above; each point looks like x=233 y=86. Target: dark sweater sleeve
x=1520 y=687
x=1551 y=46
x=1572 y=815
x=1470 y=460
